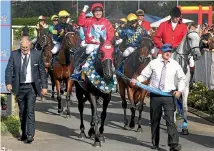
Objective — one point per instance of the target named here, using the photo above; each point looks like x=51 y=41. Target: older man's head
x=25 y=45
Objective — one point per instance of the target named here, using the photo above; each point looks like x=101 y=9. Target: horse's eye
x=189 y=38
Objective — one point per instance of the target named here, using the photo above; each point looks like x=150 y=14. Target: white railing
x=18 y=26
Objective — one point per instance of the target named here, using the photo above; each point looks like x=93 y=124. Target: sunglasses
x=167 y=47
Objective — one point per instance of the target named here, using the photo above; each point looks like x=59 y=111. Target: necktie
x=23 y=70
x=163 y=77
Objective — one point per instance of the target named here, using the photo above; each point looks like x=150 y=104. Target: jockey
x=133 y=34
x=64 y=19
x=40 y=24
x=55 y=20
x=141 y=21
x=123 y=22
x=58 y=33
x=97 y=27
x=82 y=31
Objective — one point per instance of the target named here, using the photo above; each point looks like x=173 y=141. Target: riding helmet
x=96 y=7
x=140 y=12
x=175 y=12
x=63 y=13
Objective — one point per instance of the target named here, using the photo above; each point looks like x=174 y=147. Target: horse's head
x=146 y=46
x=42 y=37
x=71 y=39
x=193 y=41
x=105 y=57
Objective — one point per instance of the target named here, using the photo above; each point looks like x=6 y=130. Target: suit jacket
x=12 y=72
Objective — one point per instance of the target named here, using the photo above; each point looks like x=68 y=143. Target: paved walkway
x=56 y=133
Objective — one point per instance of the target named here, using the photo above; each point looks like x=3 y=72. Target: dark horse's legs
x=91 y=132
x=95 y=120
x=60 y=108
x=103 y=115
x=52 y=82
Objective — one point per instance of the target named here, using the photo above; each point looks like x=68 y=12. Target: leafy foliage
x=17 y=33
x=10 y=124
x=201 y=98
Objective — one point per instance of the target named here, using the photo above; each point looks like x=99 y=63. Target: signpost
x=5 y=28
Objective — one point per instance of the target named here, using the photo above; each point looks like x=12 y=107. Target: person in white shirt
x=163 y=73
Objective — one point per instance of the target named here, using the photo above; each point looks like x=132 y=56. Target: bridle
x=190 y=48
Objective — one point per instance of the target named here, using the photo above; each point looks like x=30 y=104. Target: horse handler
x=162 y=73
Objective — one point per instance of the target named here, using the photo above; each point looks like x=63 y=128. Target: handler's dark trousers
x=26 y=100
x=168 y=104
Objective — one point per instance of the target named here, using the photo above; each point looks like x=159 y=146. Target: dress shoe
x=155 y=147
x=175 y=148
x=22 y=138
x=29 y=139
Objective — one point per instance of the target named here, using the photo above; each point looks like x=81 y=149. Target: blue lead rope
x=143 y=86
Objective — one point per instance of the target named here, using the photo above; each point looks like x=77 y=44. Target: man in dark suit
x=25 y=77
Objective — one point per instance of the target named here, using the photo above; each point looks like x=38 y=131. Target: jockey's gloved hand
x=119 y=41
x=85 y=8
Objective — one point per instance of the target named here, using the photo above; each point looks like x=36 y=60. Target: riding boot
x=52 y=58
x=82 y=59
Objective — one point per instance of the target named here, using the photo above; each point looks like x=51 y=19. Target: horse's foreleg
x=124 y=103
x=91 y=131
x=140 y=108
x=59 y=99
x=53 y=83
x=185 y=109
x=103 y=116
x=69 y=84
x=95 y=119
x=133 y=107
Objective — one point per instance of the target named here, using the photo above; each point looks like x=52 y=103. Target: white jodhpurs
x=83 y=44
x=91 y=47
x=191 y=62
x=128 y=51
x=56 y=48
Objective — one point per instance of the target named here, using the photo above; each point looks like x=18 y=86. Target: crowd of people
x=92 y=26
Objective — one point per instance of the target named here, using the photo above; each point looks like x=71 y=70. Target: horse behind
x=44 y=39
x=189 y=47
x=63 y=67
x=133 y=66
x=103 y=64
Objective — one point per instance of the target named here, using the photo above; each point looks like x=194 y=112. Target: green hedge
x=10 y=124
x=27 y=21
x=201 y=98
x=17 y=33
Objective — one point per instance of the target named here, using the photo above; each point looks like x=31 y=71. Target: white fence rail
x=204 y=69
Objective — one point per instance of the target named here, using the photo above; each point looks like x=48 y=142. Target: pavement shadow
x=58 y=130
x=207 y=141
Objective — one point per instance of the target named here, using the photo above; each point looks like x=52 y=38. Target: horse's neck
x=64 y=56
x=182 y=49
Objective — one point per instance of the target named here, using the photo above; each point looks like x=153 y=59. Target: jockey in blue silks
x=132 y=34
x=83 y=30
x=58 y=33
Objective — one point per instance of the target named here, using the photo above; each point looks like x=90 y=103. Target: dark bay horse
x=103 y=64
x=63 y=67
x=44 y=39
x=133 y=66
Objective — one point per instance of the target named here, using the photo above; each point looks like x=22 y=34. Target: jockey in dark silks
x=131 y=35
x=64 y=19
x=58 y=33
x=122 y=26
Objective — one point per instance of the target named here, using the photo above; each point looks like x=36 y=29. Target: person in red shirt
x=145 y=24
x=171 y=31
x=97 y=27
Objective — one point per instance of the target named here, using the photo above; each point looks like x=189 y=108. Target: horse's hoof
x=132 y=124
x=91 y=133
x=60 y=110
x=184 y=132
x=82 y=135
x=139 y=130
x=126 y=127
x=102 y=139
x=97 y=144
x=52 y=97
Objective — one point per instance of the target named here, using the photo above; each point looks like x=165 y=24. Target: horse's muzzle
x=107 y=70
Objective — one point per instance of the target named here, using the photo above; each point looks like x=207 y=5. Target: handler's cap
x=166 y=47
